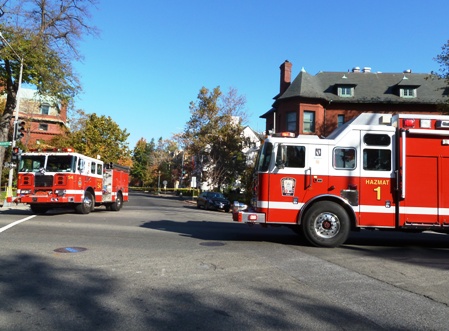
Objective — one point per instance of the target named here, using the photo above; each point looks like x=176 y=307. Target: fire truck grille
x=43 y=181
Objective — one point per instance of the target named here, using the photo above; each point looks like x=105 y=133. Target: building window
x=340 y=120
x=291 y=121
x=309 y=122
x=408 y=92
x=43 y=127
x=45 y=108
x=345 y=91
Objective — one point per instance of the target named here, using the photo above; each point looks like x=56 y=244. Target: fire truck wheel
x=117 y=205
x=38 y=209
x=86 y=206
x=326 y=224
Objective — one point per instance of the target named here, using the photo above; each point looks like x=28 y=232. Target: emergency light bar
x=284 y=134
x=68 y=150
x=408 y=123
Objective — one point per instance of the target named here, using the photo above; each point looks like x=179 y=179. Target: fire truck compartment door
x=420 y=205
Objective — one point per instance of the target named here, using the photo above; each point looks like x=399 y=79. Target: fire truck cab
x=50 y=179
x=376 y=171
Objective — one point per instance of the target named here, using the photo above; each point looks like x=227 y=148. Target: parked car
x=213 y=200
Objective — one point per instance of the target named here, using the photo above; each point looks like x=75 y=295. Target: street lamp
x=158 y=181
x=16 y=116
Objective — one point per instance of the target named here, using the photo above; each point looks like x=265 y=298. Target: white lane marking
x=15 y=223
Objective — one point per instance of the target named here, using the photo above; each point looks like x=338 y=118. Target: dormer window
x=407 y=92
x=45 y=108
x=346 y=91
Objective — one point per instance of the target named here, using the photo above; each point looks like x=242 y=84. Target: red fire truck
x=63 y=178
x=377 y=171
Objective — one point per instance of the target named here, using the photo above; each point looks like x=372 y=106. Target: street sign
x=5 y=143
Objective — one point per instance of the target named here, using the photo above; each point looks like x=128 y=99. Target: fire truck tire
x=86 y=206
x=326 y=224
x=38 y=209
x=117 y=204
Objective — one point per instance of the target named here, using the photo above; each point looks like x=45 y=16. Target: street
x=162 y=264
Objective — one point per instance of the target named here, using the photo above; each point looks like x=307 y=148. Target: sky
x=151 y=58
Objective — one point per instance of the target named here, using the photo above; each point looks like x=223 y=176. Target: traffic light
x=15 y=155
x=19 y=129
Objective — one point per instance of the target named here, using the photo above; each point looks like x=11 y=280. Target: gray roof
x=369 y=87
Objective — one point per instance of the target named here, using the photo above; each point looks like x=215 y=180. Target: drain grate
x=212 y=243
x=70 y=249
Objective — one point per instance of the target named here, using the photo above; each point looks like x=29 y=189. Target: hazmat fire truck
x=377 y=171
x=58 y=178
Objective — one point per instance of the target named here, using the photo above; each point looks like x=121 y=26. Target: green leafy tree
x=141 y=162
x=213 y=136
x=154 y=162
x=43 y=36
x=97 y=136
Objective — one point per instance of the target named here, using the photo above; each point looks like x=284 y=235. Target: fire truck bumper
x=242 y=214
x=45 y=199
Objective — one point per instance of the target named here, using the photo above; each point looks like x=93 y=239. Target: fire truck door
x=287 y=183
x=377 y=179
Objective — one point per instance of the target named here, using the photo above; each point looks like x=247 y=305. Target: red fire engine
x=377 y=171
x=62 y=178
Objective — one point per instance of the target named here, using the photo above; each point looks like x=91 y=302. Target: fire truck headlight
x=60 y=193
x=24 y=192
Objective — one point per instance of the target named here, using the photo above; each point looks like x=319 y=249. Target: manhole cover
x=70 y=249
x=212 y=243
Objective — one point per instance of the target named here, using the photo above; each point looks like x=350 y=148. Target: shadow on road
x=219 y=231
x=42 y=294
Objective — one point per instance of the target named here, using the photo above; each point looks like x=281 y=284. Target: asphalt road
x=162 y=264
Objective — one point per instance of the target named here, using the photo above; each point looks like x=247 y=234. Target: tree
x=42 y=35
x=141 y=161
x=152 y=161
x=213 y=136
x=443 y=61
x=97 y=135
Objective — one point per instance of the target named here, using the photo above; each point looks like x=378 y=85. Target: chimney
x=366 y=69
x=286 y=76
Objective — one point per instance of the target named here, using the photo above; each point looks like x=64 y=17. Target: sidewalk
x=22 y=206
x=12 y=206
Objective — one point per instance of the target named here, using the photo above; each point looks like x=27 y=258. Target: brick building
x=44 y=118
x=319 y=104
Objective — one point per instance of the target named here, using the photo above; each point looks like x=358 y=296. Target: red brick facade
x=43 y=119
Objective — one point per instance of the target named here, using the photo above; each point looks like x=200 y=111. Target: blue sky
x=152 y=57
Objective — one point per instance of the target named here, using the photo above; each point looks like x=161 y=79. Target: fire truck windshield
x=48 y=163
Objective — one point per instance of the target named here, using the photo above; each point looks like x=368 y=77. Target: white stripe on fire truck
x=74 y=191
x=363 y=208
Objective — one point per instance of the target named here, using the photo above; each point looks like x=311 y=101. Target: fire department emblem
x=288 y=186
